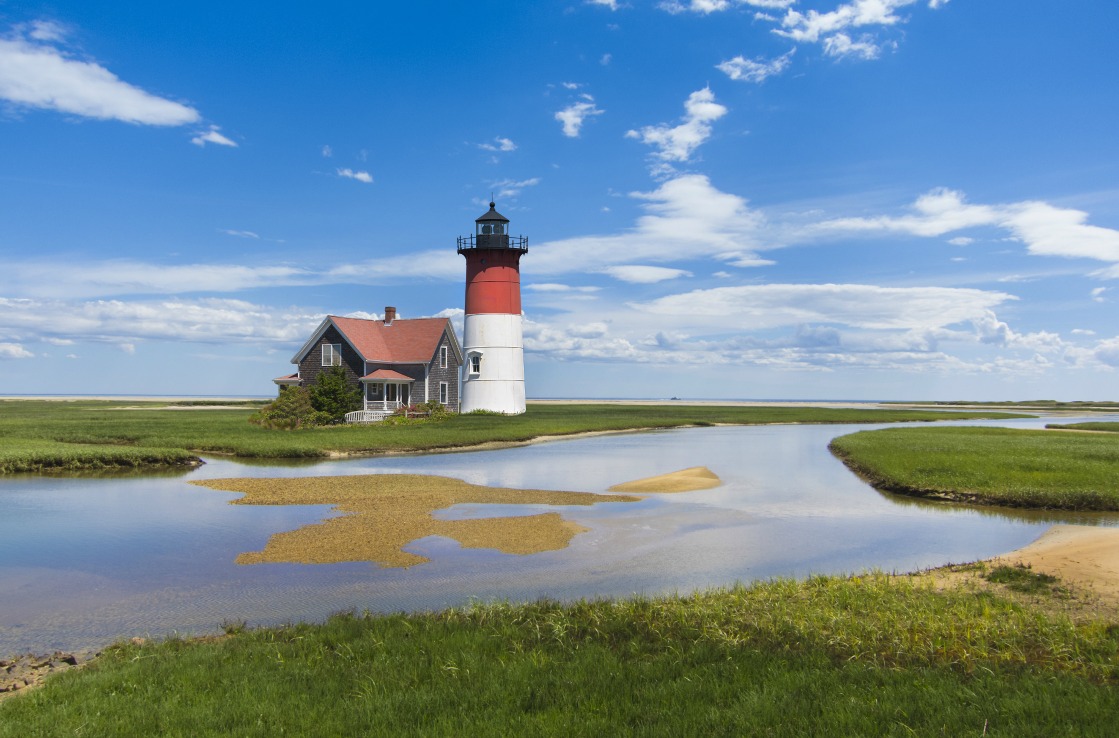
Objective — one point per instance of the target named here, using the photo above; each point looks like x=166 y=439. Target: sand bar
x=386 y=512
x=685 y=480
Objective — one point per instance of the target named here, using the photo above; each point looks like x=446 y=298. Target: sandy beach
x=1082 y=555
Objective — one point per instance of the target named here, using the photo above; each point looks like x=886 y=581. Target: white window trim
x=332 y=354
x=442 y=357
x=470 y=359
x=444 y=393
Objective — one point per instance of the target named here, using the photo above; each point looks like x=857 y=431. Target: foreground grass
x=867 y=655
x=38 y=436
x=997 y=466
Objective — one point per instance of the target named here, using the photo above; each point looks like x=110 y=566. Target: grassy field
x=1105 y=427
x=37 y=436
x=996 y=466
x=869 y=655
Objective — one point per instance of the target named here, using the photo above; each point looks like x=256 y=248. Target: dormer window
x=474 y=363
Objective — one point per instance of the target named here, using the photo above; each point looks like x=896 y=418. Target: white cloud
x=212 y=136
x=841 y=45
x=500 y=144
x=45 y=30
x=642 y=274
x=327 y=152
x=1083 y=332
x=509 y=188
x=811 y=26
x=1045 y=229
x=961 y=241
x=127 y=348
x=1097 y=294
x=555 y=287
x=677 y=143
x=239 y=234
x=606 y=59
x=757 y=70
x=124 y=324
x=685 y=218
x=14 y=351
x=360 y=176
x=755 y=307
x=706 y=7
x=573 y=116
x=35 y=73
x=611 y=4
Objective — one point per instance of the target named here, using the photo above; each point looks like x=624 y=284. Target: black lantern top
x=491 y=231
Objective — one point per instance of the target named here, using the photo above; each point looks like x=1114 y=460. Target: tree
x=292 y=409
x=333 y=395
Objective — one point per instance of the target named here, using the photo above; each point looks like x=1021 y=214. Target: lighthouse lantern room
x=494 y=372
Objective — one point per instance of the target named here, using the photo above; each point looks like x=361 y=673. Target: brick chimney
x=390 y=315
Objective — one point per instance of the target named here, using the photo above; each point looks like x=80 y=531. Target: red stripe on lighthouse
x=493 y=282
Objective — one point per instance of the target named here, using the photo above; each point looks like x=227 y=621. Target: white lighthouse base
x=494 y=343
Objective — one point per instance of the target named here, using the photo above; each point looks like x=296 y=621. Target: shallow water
x=84 y=562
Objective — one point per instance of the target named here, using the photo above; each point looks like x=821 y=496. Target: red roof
x=386 y=374
x=289 y=378
x=410 y=341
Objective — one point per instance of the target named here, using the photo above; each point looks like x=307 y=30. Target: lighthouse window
x=499 y=229
x=476 y=364
x=487 y=229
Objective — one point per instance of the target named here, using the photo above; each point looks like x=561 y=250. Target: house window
x=475 y=363
x=332 y=354
x=442 y=357
x=443 y=393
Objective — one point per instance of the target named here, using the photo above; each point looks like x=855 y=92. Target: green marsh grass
x=81 y=432
x=996 y=466
x=868 y=655
x=1104 y=427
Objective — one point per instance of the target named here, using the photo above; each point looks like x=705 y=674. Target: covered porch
x=385 y=392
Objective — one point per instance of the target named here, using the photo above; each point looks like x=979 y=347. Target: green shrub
x=291 y=410
x=333 y=395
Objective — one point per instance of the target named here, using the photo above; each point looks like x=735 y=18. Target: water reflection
x=85 y=561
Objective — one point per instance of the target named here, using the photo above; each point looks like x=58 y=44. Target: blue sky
x=849 y=199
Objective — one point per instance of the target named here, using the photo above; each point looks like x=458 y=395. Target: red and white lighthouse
x=494 y=374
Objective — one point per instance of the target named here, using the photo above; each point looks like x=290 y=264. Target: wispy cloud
x=678 y=143
x=704 y=7
x=14 y=351
x=327 y=151
x=1045 y=229
x=239 y=234
x=360 y=176
x=125 y=323
x=38 y=71
x=644 y=274
x=513 y=187
x=212 y=136
x=500 y=144
x=755 y=70
x=574 y=115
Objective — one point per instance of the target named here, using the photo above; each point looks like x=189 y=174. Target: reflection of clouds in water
x=164 y=549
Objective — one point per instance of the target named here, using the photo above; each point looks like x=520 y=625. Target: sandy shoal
x=386 y=512
x=685 y=480
x=1081 y=554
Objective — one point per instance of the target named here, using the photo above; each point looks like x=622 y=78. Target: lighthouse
x=493 y=375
